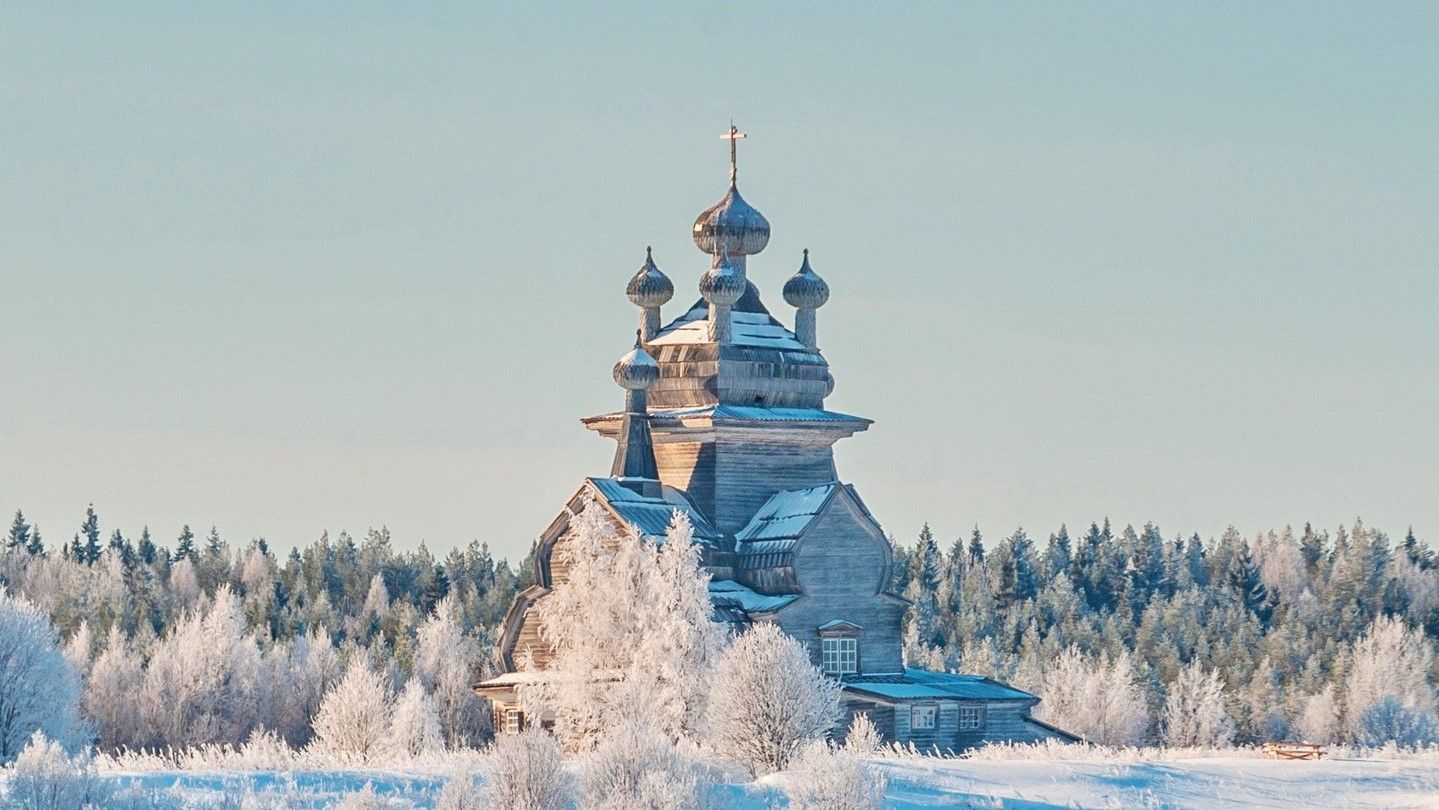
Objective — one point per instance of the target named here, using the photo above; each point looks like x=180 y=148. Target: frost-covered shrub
x=39 y=689
x=634 y=767
x=461 y=792
x=1318 y=720
x=828 y=777
x=526 y=771
x=1391 y=721
x=45 y=778
x=354 y=718
x=769 y=701
x=862 y=738
x=1194 y=712
x=364 y=799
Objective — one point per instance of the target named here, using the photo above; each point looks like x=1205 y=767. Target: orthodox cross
x=733 y=137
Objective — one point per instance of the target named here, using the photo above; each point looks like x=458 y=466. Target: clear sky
x=320 y=267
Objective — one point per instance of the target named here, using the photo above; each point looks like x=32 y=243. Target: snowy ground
x=1238 y=780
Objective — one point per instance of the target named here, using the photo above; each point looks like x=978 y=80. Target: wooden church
x=724 y=419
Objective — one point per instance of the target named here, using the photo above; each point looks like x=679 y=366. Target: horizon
x=322 y=269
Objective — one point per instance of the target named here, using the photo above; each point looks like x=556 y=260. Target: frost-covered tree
x=111 y=699
x=630 y=630
x=1390 y=662
x=444 y=663
x=769 y=701
x=1318 y=720
x=1390 y=721
x=199 y=686
x=354 y=718
x=414 y=724
x=638 y=767
x=39 y=689
x=1100 y=700
x=526 y=771
x=1194 y=712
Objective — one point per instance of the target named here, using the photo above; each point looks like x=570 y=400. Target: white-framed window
x=840 y=655
x=971 y=718
x=514 y=719
x=922 y=716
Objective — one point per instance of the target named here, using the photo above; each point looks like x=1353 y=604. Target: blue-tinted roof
x=920 y=684
x=651 y=516
x=756 y=413
x=726 y=593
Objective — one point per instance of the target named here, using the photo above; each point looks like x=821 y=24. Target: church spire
x=635 y=456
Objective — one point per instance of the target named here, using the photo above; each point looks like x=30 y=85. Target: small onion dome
x=731 y=226
x=723 y=285
x=805 y=289
x=650 y=288
x=637 y=371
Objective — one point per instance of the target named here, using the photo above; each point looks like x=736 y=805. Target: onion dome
x=731 y=226
x=723 y=285
x=805 y=289
x=637 y=371
x=650 y=288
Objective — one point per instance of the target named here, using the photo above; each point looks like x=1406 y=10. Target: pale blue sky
x=286 y=270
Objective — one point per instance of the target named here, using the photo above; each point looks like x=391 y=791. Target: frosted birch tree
x=1194 y=712
x=1390 y=662
x=444 y=662
x=769 y=701
x=354 y=718
x=414 y=724
x=111 y=698
x=1100 y=700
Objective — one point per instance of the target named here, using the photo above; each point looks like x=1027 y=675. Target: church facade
x=725 y=420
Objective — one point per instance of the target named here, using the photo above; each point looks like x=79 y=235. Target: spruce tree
x=36 y=546
x=145 y=550
x=19 y=536
x=88 y=551
x=976 y=547
x=185 y=545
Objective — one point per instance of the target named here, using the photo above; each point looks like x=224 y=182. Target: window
x=971 y=718
x=514 y=721
x=921 y=716
x=841 y=655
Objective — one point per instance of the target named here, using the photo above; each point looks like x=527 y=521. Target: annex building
x=725 y=420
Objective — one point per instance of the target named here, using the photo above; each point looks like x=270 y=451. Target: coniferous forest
x=1319 y=634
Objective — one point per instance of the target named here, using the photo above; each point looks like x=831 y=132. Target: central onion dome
x=637 y=371
x=722 y=285
x=731 y=226
x=650 y=287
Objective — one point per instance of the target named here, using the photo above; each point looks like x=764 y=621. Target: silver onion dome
x=637 y=371
x=731 y=226
x=723 y=285
x=805 y=289
x=650 y=287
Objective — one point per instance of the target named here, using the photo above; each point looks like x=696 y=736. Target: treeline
x=1281 y=618
x=205 y=642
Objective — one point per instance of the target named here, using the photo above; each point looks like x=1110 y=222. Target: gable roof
x=728 y=594
x=651 y=516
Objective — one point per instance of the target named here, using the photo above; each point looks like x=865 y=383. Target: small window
x=514 y=721
x=921 y=716
x=840 y=655
x=971 y=718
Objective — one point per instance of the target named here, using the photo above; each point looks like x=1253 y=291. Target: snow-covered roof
x=784 y=517
x=920 y=684
x=651 y=516
x=726 y=593
x=755 y=329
